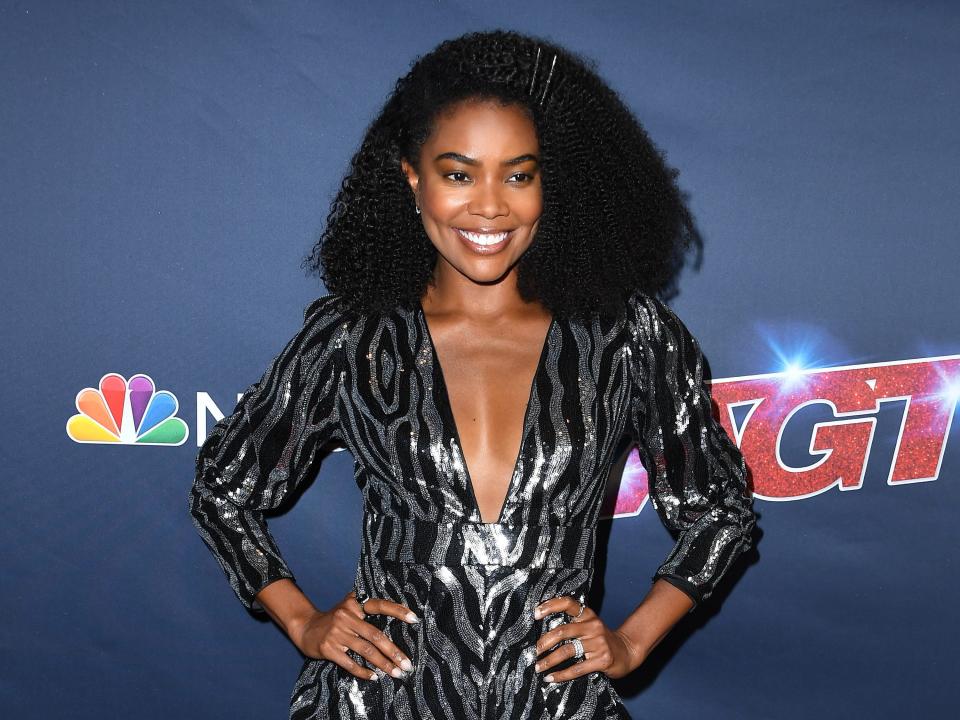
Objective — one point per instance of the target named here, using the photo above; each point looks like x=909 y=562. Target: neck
x=456 y=294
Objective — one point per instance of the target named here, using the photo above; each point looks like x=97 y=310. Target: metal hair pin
x=533 y=76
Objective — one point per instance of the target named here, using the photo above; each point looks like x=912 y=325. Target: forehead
x=483 y=128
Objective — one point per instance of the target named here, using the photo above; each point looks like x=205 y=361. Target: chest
x=477 y=432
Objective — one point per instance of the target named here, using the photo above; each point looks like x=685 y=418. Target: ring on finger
x=361 y=598
x=583 y=607
x=578 y=651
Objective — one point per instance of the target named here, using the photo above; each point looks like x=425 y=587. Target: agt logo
x=803 y=432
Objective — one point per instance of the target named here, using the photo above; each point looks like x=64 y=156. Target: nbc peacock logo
x=128 y=412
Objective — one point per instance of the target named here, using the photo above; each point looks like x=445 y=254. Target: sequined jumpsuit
x=375 y=385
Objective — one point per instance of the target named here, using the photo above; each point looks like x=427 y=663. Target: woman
x=491 y=330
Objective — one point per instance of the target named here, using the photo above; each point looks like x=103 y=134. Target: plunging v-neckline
x=451 y=418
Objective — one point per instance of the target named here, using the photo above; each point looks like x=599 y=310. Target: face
x=478 y=188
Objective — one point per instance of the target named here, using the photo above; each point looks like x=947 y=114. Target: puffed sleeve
x=696 y=474
x=263 y=450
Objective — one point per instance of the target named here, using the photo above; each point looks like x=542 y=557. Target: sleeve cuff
x=685 y=585
x=251 y=601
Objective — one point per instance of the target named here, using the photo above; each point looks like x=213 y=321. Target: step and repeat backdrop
x=166 y=166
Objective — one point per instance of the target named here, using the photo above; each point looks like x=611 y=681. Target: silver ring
x=577 y=647
x=583 y=607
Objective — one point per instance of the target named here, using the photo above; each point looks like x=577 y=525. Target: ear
x=412 y=177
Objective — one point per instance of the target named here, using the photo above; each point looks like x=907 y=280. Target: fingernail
x=548 y=678
x=537 y=667
x=373 y=676
x=411 y=618
x=406 y=665
x=537 y=612
x=397 y=673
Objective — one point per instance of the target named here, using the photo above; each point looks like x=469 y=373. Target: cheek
x=530 y=210
x=530 y=205
x=442 y=202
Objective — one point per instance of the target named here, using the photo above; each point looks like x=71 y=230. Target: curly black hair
x=614 y=221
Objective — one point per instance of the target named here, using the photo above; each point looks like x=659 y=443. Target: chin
x=487 y=277
x=483 y=271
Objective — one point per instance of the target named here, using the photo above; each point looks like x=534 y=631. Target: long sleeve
x=696 y=474
x=263 y=450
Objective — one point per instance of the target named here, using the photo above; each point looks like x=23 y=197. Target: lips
x=484 y=242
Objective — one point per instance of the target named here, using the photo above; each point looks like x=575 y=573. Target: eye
x=524 y=177
x=457 y=172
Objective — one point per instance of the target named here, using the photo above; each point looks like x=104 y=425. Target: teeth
x=483 y=238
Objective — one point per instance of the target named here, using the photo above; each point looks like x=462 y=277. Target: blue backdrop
x=165 y=167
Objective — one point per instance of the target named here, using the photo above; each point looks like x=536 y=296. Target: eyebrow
x=470 y=161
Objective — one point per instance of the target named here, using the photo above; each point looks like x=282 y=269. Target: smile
x=484 y=242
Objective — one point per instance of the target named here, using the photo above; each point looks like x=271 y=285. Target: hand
x=328 y=635
x=608 y=651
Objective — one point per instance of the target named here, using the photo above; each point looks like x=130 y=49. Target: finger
x=385 y=645
x=357 y=633
x=382 y=606
x=341 y=658
x=369 y=652
x=351 y=604
x=592 y=659
x=344 y=616
x=574 y=671
x=564 y=603
x=553 y=605
x=565 y=652
x=382 y=652
x=587 y=614
x=552 y=638
x=565 y=631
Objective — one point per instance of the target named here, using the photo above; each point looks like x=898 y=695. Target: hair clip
x=533 y=76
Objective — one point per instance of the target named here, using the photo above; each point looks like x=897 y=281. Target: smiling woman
x=612 y=219
x=477 y=186
x=486 y=197
x=492 y=330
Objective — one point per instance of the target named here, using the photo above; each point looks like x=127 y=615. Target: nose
x=488 y=201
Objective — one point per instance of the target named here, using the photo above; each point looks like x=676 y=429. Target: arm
x=289 y=608
x=255 y=456
x=697 y=475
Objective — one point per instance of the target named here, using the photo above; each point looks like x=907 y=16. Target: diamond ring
x=582 y=608
x=577 y=648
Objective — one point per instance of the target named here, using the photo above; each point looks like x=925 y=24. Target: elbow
x=737 y=502
x=706 y=549
x=748 y=523
x=739 y=521
x=201 y=503
x=195 y=506
x=744 y=513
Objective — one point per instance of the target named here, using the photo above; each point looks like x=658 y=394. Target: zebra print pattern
x=374 y=384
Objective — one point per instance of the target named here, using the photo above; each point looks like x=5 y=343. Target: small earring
x=418 y=209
